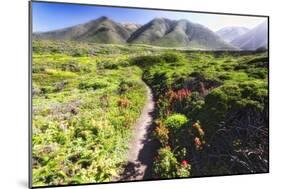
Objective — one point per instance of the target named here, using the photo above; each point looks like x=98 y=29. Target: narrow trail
x=142 y=146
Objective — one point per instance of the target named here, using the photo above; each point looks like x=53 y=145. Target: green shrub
x=158 y=80
x=107 y=65
x=46 y=89
x=77 y=54
x=38 y=69
x=71 y=66
x=124 y=63
x=124 y=86
x=260 y=61
x=176 y=121
x=257 y=73
x=170 y=57
x=92 y=84
x=148 y=60
x=165 y=165
x=59 y=86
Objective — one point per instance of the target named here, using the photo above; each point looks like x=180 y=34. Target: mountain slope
x=230 y=33
x=178 y=33
x=131 y=27
x=101 y=30
x=159 y=31
x=253 y=39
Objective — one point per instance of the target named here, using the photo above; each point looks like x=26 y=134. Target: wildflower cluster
x=123 y=102
x=162 y=133
x=199 y=139
x=166 y=165
x=184 y=169
x=178 y=95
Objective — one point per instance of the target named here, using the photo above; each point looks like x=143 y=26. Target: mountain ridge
x=159 y=32
x=253 y=39
x=101 y=30
x=231 y=32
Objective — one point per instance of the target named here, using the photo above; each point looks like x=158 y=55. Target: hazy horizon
x=52 y=16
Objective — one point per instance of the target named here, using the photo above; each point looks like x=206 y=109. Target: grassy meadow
x=211 y=110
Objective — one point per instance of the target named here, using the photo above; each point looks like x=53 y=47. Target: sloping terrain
x=159 y=31
x=101 y=30
x=178 y=33
x=131 y=27
x=93 y=115
x=254 y=39
x=230 y=33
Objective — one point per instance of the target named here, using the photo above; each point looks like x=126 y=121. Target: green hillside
x=211 y=115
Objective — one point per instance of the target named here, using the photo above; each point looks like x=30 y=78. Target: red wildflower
x=178 y=95
x=183 y=93
x=197 y=141
x=184 y=163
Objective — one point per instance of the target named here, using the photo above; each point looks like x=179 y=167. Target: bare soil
x=142 y=146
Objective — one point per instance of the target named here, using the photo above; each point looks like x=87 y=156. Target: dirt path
x=142 y=147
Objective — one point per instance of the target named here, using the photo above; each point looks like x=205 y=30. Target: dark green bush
x=257 y=73
x=125 y=63
x=170 y=57
x=124 y=86
x=46 y=89
x=92 y=84
x=166 y=164
x=71 y=66
x=38 y=69
x=107 y=65
x=148 y=60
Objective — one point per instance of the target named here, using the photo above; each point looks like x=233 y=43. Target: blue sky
x=51 y=16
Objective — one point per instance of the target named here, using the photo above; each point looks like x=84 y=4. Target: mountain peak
x=253 y=39
x=103 y=18
x=160 y=32
x=160 y=19
x=98 y=20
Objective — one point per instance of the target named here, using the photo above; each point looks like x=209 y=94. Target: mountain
x=131 y=27
x=101 y=30
x=254 y=39
x=230 y=33
x=159 y=31
x=178 y=33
